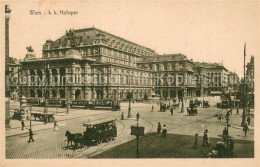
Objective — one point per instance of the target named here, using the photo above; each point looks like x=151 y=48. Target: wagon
x=205 y=104
x=42 y=116
x=99 y=131
x=192 y=111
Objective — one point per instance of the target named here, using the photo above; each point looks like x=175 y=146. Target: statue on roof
x=70 y=33
x=30 y=49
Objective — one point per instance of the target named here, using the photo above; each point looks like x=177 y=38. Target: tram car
x=56 y=102
x=113 y=105
x=99 y=131
x=35 y=102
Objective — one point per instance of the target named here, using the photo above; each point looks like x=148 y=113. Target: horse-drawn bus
x=97 y=132
x=100 y=131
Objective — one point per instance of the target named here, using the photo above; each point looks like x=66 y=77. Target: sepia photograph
x=129 y=80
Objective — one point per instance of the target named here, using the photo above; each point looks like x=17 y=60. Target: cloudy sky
x=209 y=31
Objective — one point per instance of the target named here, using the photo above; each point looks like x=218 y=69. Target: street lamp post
x=183 y=87
x=228 y=119
x=244 y=93
x=129 y=115
x=45 y=89
x=30 y=116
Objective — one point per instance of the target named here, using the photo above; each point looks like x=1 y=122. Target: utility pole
x=129 y=115
x=45 y=88
x=244 y=93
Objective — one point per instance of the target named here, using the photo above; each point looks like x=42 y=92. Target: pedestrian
x=152 y=108
x=122 y=116
x=248 y=120
x=237 y=112
x=45 y=119
x=245 y=129
x=220 y=117
x=231 y=147
x=206 y=138
x=171 y=111
x=23 y=125
x=137 y=116
x=231 y=111
x=159 y=127
x=196 y=141
x=225 y=133
x=30 y=136
x=164 y=131
x=56 y=126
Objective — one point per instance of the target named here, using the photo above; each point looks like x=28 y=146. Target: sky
x=209 y=31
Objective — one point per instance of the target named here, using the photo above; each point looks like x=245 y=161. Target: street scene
x=177 y=123
x=75 y=91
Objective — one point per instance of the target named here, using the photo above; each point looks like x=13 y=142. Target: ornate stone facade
x=99 y=65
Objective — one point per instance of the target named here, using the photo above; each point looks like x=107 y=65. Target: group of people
x=56 y=128
x=164 y=130
x=205 y=139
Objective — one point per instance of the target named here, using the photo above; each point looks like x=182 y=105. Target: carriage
x=18 y=114
x=205 y=104
x=99 y=131
x=192 y=109
x=43 y=116
x=163 y=107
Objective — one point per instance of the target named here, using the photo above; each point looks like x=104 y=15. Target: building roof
x=207 y=65
x=88 y=35
x=12 y=61
x=165 y=57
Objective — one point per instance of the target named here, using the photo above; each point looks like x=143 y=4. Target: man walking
x=196 y=141
x=30 y=136
x=245 y=129
x=248 y=120
x=171 y=111
x=164 y=131
x=23 y=125
x=159 y=127
x=237 y=111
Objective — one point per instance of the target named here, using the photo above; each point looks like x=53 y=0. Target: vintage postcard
x=129 y=83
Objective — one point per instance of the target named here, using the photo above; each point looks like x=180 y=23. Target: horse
x=72 y=137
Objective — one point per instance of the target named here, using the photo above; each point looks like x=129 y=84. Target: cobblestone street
x=53 y=144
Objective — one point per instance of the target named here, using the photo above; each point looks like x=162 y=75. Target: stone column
x=50 y=77
x=72 y=94
x=58 y=76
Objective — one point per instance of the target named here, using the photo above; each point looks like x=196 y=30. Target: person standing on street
x=56 y=127
x=164 y=131
x=23 y=125
x=30 y=136
x=231 y=147
x=152 y=108
x=245 y=129
x=248 y=120
x=237 y=111
x=171 y=111
x=196 y=141
x=159 y=127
